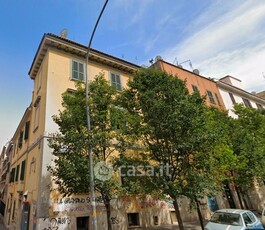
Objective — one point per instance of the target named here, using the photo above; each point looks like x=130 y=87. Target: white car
x=233 y=219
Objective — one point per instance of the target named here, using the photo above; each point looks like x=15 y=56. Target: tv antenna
x=189 y=61
x=64 y=33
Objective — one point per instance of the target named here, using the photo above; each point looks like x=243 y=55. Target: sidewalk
x=2 y=226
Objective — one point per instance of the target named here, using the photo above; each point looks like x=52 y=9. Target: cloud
x=133 y=10
x=231 y=42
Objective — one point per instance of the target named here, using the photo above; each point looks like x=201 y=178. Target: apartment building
x=232 y=92
x=17 y=152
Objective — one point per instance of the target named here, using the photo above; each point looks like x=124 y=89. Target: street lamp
x=90 y=152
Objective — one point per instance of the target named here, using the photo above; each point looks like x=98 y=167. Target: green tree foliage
x=70 y=145
x=175 y=128
x=248 y=138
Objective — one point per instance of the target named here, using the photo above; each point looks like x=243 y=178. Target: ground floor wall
x=134 y=212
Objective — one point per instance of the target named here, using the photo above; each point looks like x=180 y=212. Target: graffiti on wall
x=55 y=223
x=115 y=220
x=78 y=200
x=76 y=204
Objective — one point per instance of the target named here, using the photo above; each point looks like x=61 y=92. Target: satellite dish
x=157 y=58
x=64 y=33
x=180 y=66
x=196 y=71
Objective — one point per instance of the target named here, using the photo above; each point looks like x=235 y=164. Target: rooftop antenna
x=64 y=33
x=189 y=63
x=175 y=61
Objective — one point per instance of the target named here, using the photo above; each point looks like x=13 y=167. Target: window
x=232 y=98
x=22 y=174
x=133 y=219
x=17 y=173
x=251 y=216
x=259 y=106
x=26 y=136
x=20 y=140
x=247 y=103
x=115 y=81
x=210 y=95
x=12 y=175
x=217 y=99
x=77 y=70
x=155 y=219
x=14 y=208
x=37 y=113
x=195 y=88
x=246 y=218
x=39 y=79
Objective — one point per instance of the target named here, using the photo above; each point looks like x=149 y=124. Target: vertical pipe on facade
x=90 y=152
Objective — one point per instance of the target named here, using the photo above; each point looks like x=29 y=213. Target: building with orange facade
x=194 y=81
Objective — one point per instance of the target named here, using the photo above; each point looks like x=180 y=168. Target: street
x=187 y=226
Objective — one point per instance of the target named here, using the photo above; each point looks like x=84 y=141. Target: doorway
x=82 y=223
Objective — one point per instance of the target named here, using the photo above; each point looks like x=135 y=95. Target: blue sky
x=220 y=37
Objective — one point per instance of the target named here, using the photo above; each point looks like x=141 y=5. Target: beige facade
x=16 y=181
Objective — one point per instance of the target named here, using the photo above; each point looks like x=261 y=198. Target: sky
x=219 y=37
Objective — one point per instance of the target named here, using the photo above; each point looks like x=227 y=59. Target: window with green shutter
x=78 y=70
x=22 y=173
x=195 y=88
x=12 y=175
x=17 y=173
x=20 y=140
x=26 y=136
x=210 y=96
x=115 y=80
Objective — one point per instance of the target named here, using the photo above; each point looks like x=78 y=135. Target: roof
x=229 y=76
x=237 y=211
x=240 y=91
x=51 y=40
x=206 y=78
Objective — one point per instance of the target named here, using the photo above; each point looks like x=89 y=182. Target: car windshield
x=227 y=218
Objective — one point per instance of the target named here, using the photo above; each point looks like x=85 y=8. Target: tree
x=171 y=125
x=70 y=145
x=210 y=167
x=248 y=138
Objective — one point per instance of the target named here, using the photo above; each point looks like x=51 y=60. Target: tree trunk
x=239 y=196
x=176 y=206
x=199 y=213
x=107 y=205
x=237 y=191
